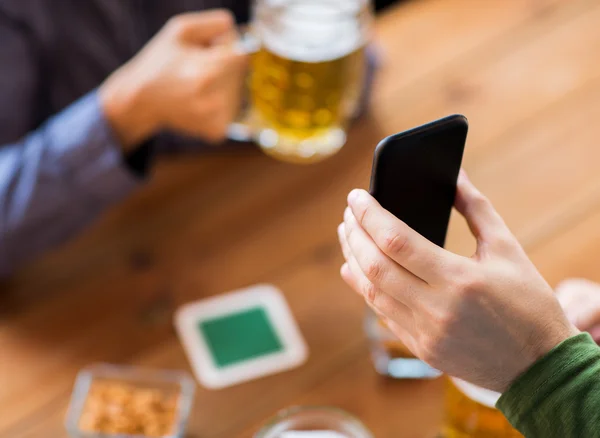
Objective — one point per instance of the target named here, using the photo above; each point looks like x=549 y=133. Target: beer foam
x=480 y=395
x=317 y=31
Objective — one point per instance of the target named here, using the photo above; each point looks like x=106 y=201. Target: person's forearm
x=57 y=179
x=559 y=396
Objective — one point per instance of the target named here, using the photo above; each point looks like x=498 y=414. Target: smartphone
x=415 y=172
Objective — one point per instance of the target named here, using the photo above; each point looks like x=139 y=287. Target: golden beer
x=470 y=413
x=307 y=75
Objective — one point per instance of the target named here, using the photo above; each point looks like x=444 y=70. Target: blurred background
x=526 y=73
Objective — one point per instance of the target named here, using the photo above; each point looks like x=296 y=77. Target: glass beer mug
x=307 y=70
x=471 y=413
x=390 y=357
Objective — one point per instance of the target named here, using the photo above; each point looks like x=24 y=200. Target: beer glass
x=306 y=76
x=330 y=422
x=471 y=413
x=390 y=357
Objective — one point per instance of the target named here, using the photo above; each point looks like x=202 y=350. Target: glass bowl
x=331 y=421
x=110 y=401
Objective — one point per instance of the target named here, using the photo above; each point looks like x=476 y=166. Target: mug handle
x=247 y=44
x=240 y=129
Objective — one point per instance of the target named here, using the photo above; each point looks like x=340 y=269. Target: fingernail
x=340 y=229
x=463 y=175
x=357 y=196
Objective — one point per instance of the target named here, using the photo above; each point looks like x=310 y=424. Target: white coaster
x=240 y=336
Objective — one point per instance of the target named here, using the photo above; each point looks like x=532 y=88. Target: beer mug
x=471 y=413
x=390 y=356
x=317 y=422
x=306 y=76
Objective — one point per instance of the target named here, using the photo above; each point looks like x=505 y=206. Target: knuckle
x=480 y=201
x=370 y=292
x=374 y=270
x=395 y=242
x=176 y=25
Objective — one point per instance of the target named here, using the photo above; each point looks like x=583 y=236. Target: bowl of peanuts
x=129 y=402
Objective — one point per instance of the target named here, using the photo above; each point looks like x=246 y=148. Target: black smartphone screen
x=415 y=172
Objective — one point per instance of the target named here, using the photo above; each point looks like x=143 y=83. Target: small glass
x=471 y=413
x=390 y=357
x=331 y=421
x=176 y=387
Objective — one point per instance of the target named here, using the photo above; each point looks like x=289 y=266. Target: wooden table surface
x=527 y=75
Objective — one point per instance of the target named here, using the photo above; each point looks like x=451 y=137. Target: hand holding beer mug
x=306 y=77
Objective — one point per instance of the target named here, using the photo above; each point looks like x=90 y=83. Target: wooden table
x=526 y=73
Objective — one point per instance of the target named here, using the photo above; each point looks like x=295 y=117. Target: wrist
x=554 y=337
x=560 y=333
x=121 y=101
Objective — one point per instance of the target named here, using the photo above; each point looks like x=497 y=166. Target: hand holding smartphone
x=415 y=172
x=414 y=178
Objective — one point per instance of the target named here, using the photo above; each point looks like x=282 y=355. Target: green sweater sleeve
x=559 y=396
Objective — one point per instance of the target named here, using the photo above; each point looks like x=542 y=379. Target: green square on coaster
x=237 y=337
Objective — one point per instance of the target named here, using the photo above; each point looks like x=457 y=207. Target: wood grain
x=527 y=75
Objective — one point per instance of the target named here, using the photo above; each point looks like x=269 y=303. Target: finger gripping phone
x=415 y=172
